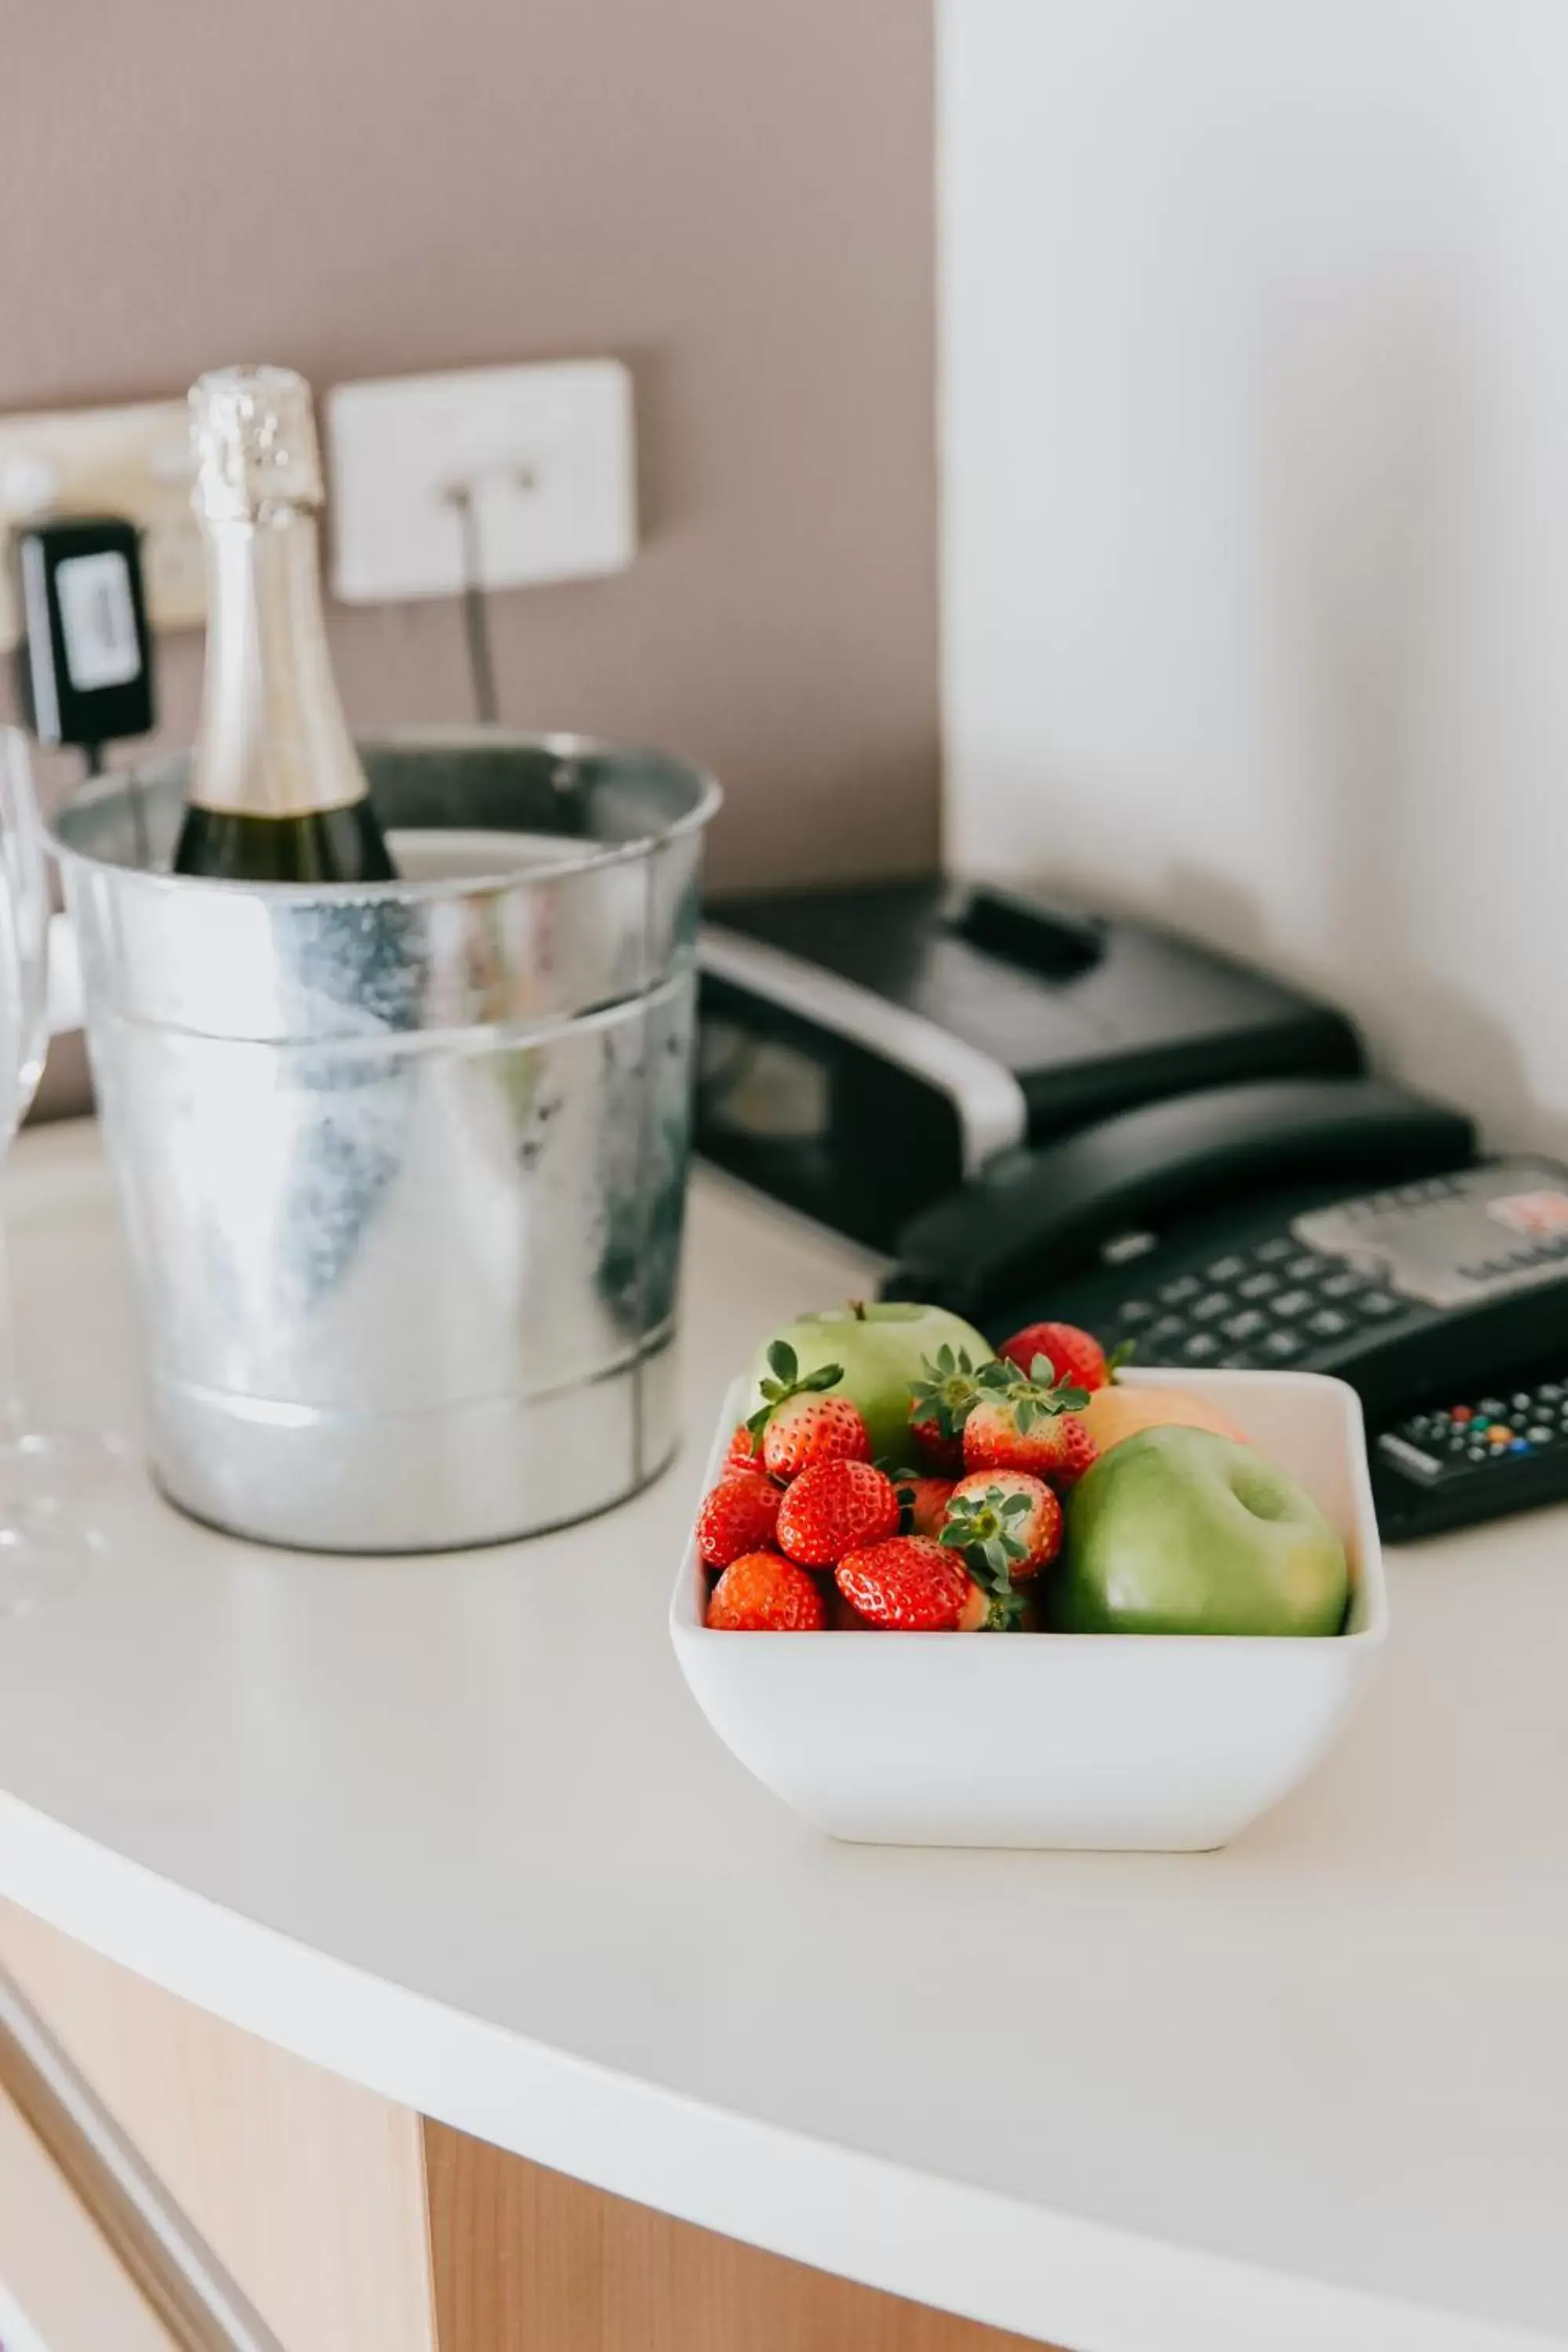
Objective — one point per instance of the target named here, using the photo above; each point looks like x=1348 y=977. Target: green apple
x=880 y=1347
x=1183 y=1531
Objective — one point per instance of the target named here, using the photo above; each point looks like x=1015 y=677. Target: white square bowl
x=1159 y=1743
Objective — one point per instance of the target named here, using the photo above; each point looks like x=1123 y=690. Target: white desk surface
x=454 y=1828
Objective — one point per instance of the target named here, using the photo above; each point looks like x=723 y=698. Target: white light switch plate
x=544 y=452
x=134 y=462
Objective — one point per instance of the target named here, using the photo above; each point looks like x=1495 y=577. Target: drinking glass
x=48 y=1477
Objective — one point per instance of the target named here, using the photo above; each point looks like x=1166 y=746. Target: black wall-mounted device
x=85 y=664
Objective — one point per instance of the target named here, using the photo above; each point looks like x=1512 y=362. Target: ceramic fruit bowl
x=1158 y=1742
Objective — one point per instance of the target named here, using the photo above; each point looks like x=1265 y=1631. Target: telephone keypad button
x=1225 y=1270
x=1136 y=1310
x=1214 y=1302
x=1376 y=1302
x=1245 y=1326
x=1280 y=1346
x=1201 y=1348
x=1271 y=1253
x=1302 y=1269
x=1257 y=1286
x=1341 y=1286
x=1327 y=1324
x=1293 y=1303
x=1177 y=1293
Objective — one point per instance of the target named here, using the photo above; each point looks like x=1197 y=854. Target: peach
x=1117 y=1412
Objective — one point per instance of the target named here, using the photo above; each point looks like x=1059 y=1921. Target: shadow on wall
x=1256 y=536
x=1371 y=490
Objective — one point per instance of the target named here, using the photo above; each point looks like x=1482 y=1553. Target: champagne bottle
x=277 y=792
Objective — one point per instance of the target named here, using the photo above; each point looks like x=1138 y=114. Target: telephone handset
x=1037 y=1216
x=1322 y=1224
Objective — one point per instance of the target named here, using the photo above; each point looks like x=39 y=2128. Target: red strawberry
x=1003 y=1433
x=832 y=1508
x=761 y=1593
x=738 y=1516
x=940 y=1401
x=1009 y=1518
x=841 y=1617
x=941 y=1457
x=913 y=1585
x=744 y=1453
x=924 y=1502
x=1076 y=1358
x=807 y=1429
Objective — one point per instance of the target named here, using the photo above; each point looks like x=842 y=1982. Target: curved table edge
x=1041 y=2273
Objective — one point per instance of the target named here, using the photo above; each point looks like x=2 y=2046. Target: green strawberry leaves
x=984 y=1528
x=947 y=1390
x=1036 y=1395
x=951 y=1386
x=788 y=1381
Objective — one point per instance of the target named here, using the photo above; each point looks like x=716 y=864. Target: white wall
x=1255 y=480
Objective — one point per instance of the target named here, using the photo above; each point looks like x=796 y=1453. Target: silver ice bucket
x=402 y=1167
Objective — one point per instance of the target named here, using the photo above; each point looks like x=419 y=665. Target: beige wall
x=737 y=199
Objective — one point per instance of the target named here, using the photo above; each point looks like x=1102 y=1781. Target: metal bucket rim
x=556 y=745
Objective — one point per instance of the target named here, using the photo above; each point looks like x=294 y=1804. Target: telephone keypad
x=1274 y=1303
x=1177 y=1293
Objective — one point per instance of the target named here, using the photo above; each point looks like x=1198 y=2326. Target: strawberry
x=1011 y=1433
x=738 y=1516
x=911 y=1584
x=841 y=1617
x=786 y=1381
x=833 y=1507
x=807 y=1428
x=924 y=1501
x=991 y=1408
x=940 y=1456
x=1073 y=1358
x=744 y=1453
x=942 y=1400
x=1008 y=1521
x=761 y=1593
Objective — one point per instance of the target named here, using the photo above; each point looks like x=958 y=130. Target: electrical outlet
x=542 y=454
x=134 y=462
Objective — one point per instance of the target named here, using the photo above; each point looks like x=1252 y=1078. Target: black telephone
x=1324 y=1224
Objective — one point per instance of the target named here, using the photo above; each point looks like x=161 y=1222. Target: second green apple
x=1183 y=1531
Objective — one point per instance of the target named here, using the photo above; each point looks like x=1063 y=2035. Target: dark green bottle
x=277 y=790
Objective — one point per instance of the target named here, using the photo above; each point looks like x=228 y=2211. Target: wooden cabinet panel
x=310 y=2190
x=55 y=2264
x=353 y=2226
x=530 y=2261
